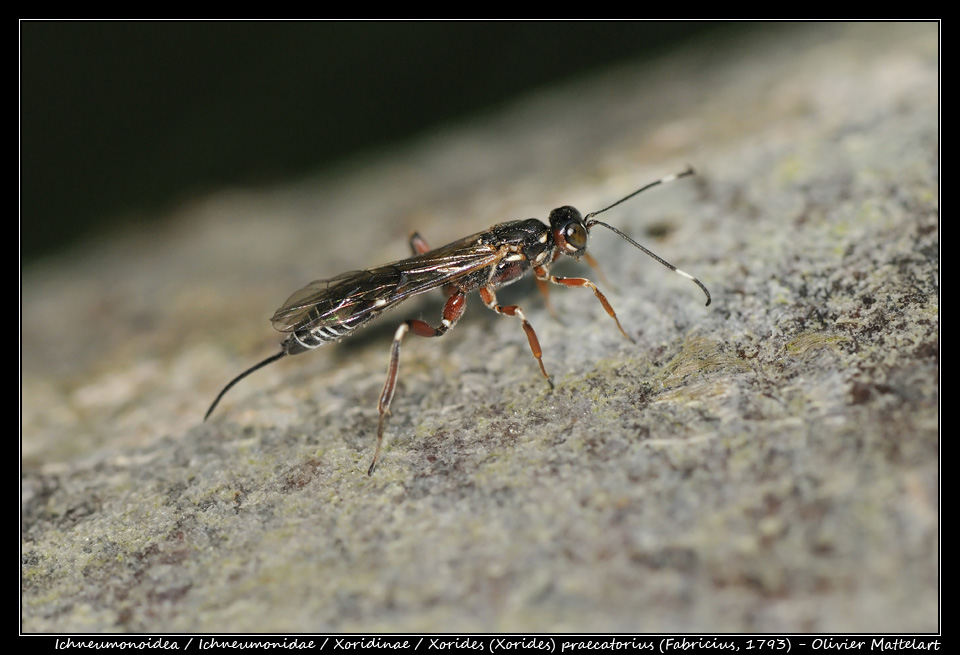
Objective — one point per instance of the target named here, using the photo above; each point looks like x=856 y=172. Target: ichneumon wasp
x=326 y=311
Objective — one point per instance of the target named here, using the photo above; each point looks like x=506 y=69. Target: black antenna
x=670 y=178
x=268 y=360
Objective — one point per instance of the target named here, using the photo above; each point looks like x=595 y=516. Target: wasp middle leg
x=452 y=311
x=489 y=297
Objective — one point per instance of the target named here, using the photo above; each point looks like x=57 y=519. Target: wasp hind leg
x=418 y=244
x=452 y=311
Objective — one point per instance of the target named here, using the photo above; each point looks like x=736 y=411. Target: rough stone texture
x=769 y=463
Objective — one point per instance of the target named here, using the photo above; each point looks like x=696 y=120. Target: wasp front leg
x=489 y=297
x=544 y=290
x=452 y=311
x=542 y=274
x=542 y=278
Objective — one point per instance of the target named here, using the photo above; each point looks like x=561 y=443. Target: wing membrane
x=356 y=297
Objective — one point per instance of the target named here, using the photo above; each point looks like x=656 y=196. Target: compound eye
x=576 y=236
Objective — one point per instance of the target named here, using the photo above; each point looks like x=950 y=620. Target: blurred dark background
x=127 y=119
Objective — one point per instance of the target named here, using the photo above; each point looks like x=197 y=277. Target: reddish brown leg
x=595 y=266
x=418 y=244
x=489 y=298
x=584 y=282
x=452 y=311
x=545 y=290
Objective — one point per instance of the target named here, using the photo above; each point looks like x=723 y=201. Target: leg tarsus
x=489 y=297
x=584 y=282
x=452 y=311
x=389 y=387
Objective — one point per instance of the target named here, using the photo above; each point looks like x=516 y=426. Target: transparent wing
x=353 y=298
x=338 y=300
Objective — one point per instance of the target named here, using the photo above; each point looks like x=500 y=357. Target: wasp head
x=569 y=231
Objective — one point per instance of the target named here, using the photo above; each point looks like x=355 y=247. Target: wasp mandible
x=327 y=311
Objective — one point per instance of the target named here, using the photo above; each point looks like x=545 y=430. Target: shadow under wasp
x=327 y=311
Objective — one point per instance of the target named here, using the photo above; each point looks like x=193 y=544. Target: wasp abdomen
x=311 y=338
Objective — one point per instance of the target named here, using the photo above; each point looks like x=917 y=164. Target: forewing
x=357 y=296
x=444 y=265
x=337 y=300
